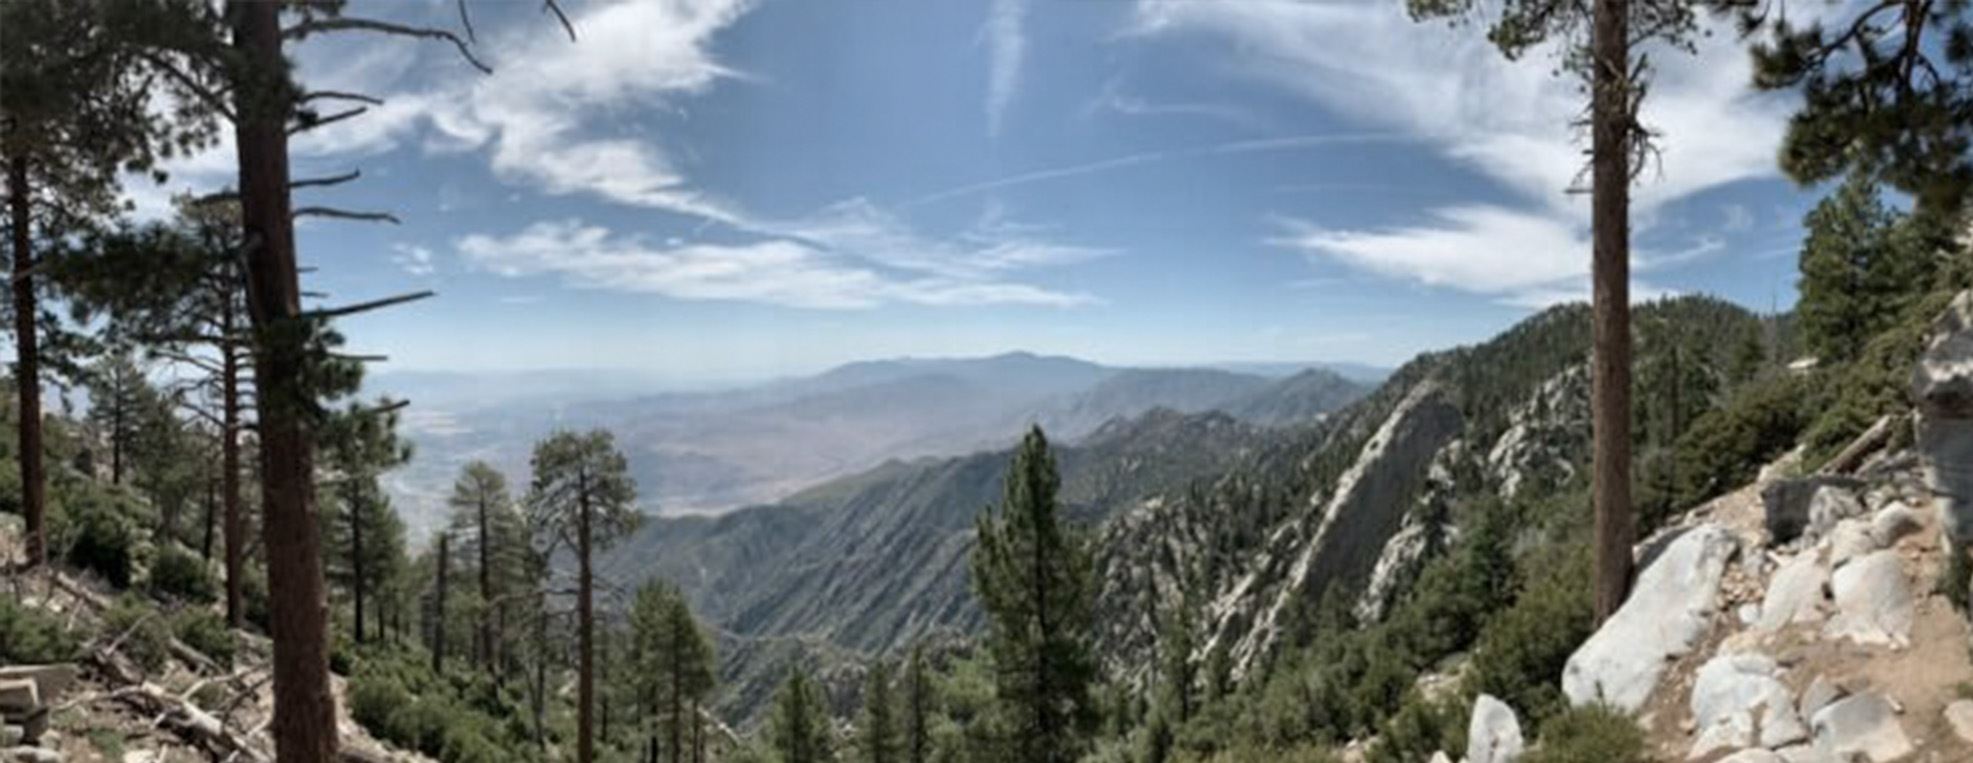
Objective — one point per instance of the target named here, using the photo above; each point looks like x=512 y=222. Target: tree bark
x=1611 y=125
x=27 y=359
x=486 y=595
x=356 y=562
x=229 y=464
x=207 y=529
x=438 y=607
x=586 y=621
x=304 y=709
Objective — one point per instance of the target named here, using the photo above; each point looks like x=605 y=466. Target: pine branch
x=325 y=181
x=328 y=120
x=345 y=214
x=348 y=23
x=339 y=95
x=364 y=307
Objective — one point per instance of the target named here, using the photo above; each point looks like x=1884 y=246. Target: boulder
x=1668 y=611
x=1873 y=601
x=1820 y=693
x=1893 y=523
x=1494 y=735
x=1850 y=539
x=1738 y=701
x=1942 y=384
x=1808 y=505
x=1959 y=715
x=1864 y=725
x=1754 y=756
x=1805 y=753
x=1440 y=757
x=1795 y=593
x=30 y=755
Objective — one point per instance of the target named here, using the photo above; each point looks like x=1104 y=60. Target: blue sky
x=727 y=189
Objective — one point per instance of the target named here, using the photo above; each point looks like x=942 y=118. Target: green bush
x=29 y=635
x=102 y=540
x=1589 y=735
x=205 y=631
x=452 y=718
x=1520 y=656
x=1727 y=446
x=182 y=575
x=140 y=630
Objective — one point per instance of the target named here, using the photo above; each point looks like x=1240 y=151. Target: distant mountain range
x=712 y=451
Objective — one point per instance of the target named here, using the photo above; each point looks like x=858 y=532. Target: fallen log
x=1851 y=456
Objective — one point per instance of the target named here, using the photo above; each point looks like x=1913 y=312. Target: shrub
x=140 y=631
x=180 y=574
x=205 y=631
x=29 y=635
x=1589 y=735
x=453 y=719
x=102 y=541
x=1521 y=654
x=1727 y=446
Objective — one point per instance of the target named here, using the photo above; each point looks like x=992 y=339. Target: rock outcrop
x=1494 y=736
x=1671 y=608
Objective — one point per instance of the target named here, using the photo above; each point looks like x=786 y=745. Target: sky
x=712 y=190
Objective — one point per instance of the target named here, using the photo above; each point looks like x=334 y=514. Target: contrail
x=1287 y=143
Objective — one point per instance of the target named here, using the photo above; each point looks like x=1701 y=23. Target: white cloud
x=1512 y=121
x=415 y=260
x=778 y=271
x=536 y=114
x=1483 y=249
x=1007 y=45
x=1738 y=218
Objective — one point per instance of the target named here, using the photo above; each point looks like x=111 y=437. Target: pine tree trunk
x=211 y=517
x=486 y=595
x=1610 y=216
x=356 y=560
x=698 y=734
x=585 y=615
x=438 y=607
x=27 y=359
x=229 y=463
x=677 y=694
x=541 y=671
x=304 y=709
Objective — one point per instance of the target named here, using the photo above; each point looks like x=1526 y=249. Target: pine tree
x=361 y=443
x=1849 y=236
x=800 y=728
x=1177 y=672
x=1603 y=50
x=674 y=658
x=76 y=102
x=483 y=511
x=919 y=706
x=1884 y=92
x=1032 y=576
x=582 y=500
x=879 y=733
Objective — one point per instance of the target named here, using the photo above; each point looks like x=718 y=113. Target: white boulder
x=1864 y=725
x=1959 y=715
x=1738 y=701
x=1893 y=523
x=1795 y=593
x=1851 y=538
x=1667 y=613
x=1873 y=601
x=1754 y=756
x=1494 y=736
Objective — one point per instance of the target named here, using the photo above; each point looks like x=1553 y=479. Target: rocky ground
x=190 y=710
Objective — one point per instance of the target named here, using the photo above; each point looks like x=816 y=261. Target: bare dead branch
x=326 y=181
x=211 y=98
x=340 y=95
x=350 y=23
x=345 y=214
x=328 y=120
x=364 y=307
x=552 y=6
x=466 y=20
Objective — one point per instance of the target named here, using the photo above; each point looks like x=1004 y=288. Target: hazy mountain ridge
x=708 y=451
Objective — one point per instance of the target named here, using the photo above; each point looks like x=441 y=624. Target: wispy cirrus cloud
x=792 y=272
x=1007 y=44
x=1452 y=91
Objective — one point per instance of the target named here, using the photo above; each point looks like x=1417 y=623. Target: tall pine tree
x=1032 y=576
x=800 y=730
x=582 y=500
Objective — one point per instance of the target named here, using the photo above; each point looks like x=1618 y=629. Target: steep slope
x=1355 y=504
x=868 y=564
